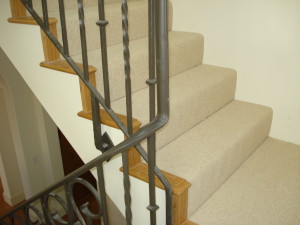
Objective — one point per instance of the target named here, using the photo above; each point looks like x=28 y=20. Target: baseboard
x=14 y=200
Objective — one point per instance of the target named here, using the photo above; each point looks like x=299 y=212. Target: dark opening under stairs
x=238 y=174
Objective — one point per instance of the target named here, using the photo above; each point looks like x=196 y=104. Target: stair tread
x=264 y=190
x=138 y=27
x=211 y=151
x=137 y=20
x=186 y=51
x=195 y=93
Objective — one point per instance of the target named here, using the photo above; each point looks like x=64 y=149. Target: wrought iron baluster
x=70 y=211
x=44 y=209
x=38 y=213
x=29 y=2
x=162 y=72
x=45 y=14
x=102 y=192
x=94 y=100
x=96 y=122
x=151 y=141
x=102 y=26
x=83 y=40
x=63 y=27
x=126 y=183
x=126 y=54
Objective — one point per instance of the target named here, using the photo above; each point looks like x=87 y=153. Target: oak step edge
x=107 y=120
x=188 y=222
x=64 y=66
x=179 y=185
x=29 y=20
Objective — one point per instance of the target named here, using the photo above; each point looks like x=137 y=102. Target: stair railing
x=158 y=86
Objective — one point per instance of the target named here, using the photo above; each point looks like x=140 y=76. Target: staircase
x=234 y=173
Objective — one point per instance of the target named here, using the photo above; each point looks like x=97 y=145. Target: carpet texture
x=195 y=93
x=186 y=52
x=211 y=151
x=264 y=191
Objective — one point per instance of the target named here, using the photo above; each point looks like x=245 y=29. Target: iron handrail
x=158 y=36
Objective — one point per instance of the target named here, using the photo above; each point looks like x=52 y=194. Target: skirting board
x=14 y=200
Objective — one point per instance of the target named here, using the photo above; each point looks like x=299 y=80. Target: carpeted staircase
x=220 y=145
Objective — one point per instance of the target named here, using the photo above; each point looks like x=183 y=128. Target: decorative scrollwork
x=84 y=208
x=40 y=218
x=55 y=216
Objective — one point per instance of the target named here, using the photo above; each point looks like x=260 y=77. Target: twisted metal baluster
x=126 y=55
x=127 y=68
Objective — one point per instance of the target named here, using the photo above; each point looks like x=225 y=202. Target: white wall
x=28 y=133
x=261 y=40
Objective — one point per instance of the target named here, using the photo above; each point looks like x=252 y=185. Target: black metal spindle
x=29 y=2
x=126 y=183
x=102 y=26
x=63 y=27
x=94 y=100
x=45 y=14
x=83 y=40
x=102 y=192
x=70 y=212
x=126 y=55
x=44 y=210
x=96 y=122
x=151 y=141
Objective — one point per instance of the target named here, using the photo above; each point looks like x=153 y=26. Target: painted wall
x=260 y=39
x=32 y=134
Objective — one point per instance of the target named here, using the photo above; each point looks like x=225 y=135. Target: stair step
x=210 y=152
x=264 y=190
x=137 y=20
x=69 y=4
x=186 y=51
x=194 y=95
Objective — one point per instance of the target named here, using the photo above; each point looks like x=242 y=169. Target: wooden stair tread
x=63 y=66
x=179 y=185
x=29 y=20
x=107 y=120
x=188 y=222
